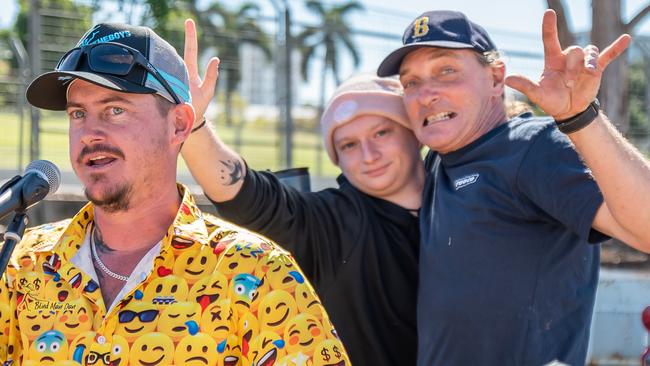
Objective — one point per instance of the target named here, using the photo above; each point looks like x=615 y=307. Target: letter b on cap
x=421 y=27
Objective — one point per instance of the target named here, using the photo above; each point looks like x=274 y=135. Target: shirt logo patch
x=465 y=181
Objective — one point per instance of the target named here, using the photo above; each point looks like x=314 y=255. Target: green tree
x=63 y=22
x=328 y=38
x=608 y=24
x=226 y=30
x=639 y=119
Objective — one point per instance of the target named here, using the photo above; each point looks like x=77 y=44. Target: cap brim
x=48 y=91
x=391 y=64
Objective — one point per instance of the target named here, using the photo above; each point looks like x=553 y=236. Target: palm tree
x=226 y=31
x=330 y=36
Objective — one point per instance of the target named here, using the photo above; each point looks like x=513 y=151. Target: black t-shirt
x=507 y=273
x=359 y=252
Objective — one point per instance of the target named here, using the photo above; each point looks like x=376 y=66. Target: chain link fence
x=247 y=118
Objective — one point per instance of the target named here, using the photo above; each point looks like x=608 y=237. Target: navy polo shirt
x=508 y=273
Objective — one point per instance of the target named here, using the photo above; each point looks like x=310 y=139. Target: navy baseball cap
x=440 y=28
x=49 y=90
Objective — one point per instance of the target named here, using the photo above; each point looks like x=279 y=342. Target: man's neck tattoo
x=234 y=171
x=102 y=248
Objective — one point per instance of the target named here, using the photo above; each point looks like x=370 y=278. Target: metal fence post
x=23 y=75
x=283 y=80
x=35 y=57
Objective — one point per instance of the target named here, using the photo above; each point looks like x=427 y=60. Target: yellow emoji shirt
x=217 y=294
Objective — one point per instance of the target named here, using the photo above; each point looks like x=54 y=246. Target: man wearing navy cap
x=510 y=214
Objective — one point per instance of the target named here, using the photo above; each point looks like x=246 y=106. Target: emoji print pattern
x=217 y=295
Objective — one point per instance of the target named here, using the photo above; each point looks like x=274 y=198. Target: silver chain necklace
x=101 y=264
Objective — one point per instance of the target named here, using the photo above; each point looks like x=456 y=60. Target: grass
x=259 y=144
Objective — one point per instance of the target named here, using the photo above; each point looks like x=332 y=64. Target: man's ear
x=182 y=119
x=498 y=72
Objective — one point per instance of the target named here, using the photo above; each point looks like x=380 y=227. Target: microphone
x=41 y=179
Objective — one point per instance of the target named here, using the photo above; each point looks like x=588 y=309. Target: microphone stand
x=13 y=236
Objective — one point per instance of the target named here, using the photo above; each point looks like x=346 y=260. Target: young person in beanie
x=511 y=212
x=140 y=276
x=357 y=243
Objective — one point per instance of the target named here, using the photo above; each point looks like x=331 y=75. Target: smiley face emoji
x=119 y=350
x=5 y=322
x=163 y=263
x=229 y=351
x=137 y=318
x=275 y=311
x=192 y=265
x=80 y=345
x=34 y=323
x=49 y=347
x=166 y=290
x=330 y=352
x=247 y=291
x=179 y=245
x=152 y=349
x=266 y=349
x=4 y=293
x=240 y=258
x=198 y=349
x=219 y=319
x=307 y=301
x=75 y=279
x=60 y=290
x=98 y=354
x=248 y=328
x=303 y=333
x=173 y=319
x=107 y=354
x=281 y=272
x=76 y=318
x=209 y=289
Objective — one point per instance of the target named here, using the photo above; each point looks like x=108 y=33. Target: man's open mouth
x=100 y=160
x=442 y=116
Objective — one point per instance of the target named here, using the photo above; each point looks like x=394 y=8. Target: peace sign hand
x=202 y=91
x=571 y=78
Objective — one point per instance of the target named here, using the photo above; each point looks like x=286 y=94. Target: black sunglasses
x=145 y=316
x=114 y=59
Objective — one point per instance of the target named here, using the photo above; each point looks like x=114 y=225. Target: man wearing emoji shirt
x=140 y=276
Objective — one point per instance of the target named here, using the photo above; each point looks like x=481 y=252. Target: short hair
x=163 y=105
x=489 y=58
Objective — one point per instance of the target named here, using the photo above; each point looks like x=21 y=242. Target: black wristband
x=200 y=125
x=580 y=120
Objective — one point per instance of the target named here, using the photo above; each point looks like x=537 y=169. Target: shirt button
x=101 y=339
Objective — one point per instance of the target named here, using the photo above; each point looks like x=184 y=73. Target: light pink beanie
x=364 y=94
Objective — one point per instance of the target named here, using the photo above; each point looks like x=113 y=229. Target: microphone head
x=48 y=171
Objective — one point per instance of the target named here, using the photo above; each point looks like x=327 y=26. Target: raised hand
x=571 y=78
x=202 y=90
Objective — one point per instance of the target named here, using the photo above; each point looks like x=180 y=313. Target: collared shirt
x=508 y=270
x=84 y=261
x=215 y=294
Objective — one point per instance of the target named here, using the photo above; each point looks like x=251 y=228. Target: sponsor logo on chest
x=465 y=181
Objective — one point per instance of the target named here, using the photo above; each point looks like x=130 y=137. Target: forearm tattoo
x=232 y=172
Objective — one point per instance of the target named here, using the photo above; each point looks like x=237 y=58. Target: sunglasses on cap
x=113 y=59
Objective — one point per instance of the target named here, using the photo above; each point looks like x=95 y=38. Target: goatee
x=114 y=199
